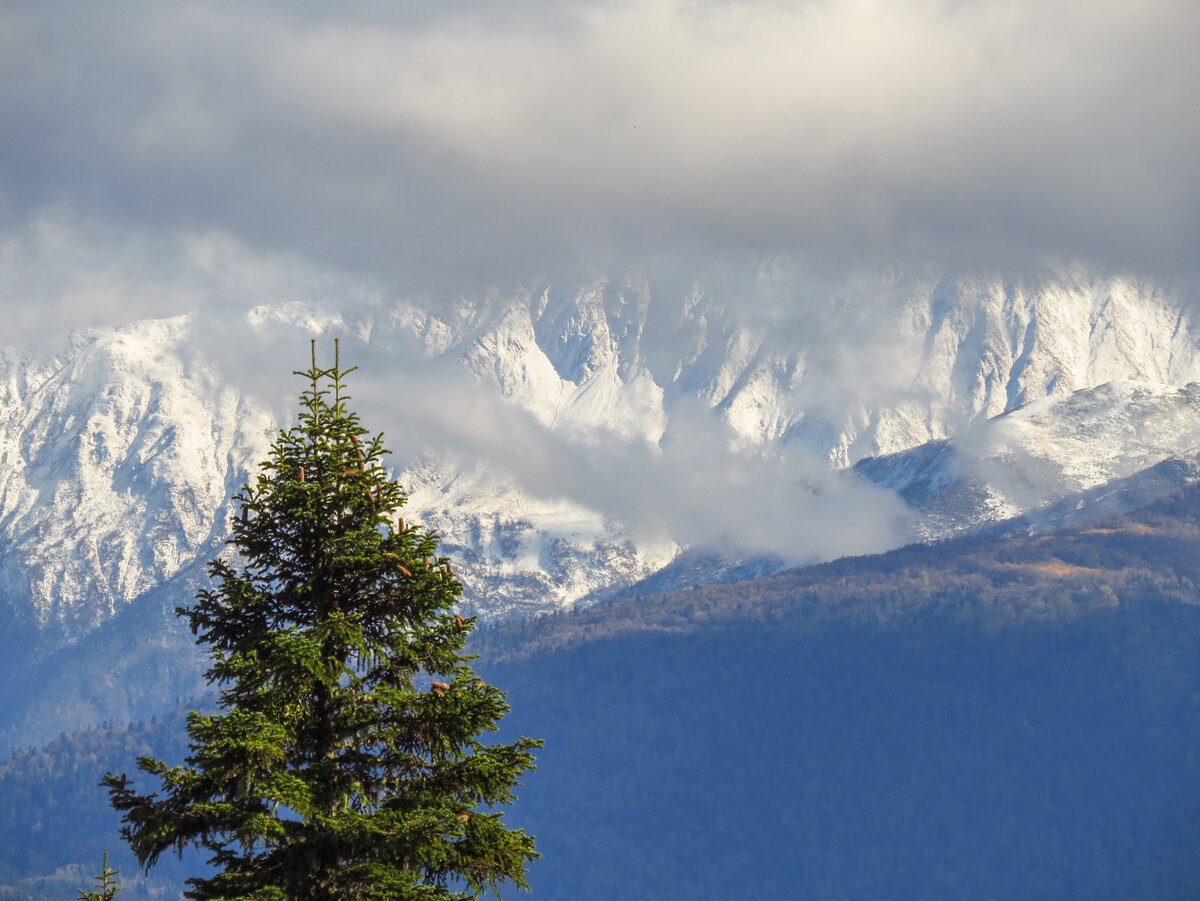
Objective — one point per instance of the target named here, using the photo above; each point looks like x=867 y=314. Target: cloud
x=166 y=157
x=483 y=143
x=696 y=487
x=59 y=269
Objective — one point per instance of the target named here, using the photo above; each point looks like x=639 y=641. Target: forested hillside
x=926 y=761
x=55 y=818
x=985 y=718
x=988 y=580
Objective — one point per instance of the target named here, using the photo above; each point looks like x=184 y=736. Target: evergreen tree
x=345 y=760
x=106 y=884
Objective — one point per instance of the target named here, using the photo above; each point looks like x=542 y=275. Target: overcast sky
x=161 y=155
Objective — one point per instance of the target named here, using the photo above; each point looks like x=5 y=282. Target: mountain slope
x=1034 y=460
x=119 y=450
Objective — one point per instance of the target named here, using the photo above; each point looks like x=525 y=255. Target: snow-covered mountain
x=568 y=443
x=1096 y=451
x=875 y=370
x=119 y=450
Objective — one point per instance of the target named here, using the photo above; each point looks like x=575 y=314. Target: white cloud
x=485 y=142
x=59 y=269
x=698 y=488
x=164 y=157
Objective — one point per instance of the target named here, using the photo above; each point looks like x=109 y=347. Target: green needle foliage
x=106 y=884
x=345 y=762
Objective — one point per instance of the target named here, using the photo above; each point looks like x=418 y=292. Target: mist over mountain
x=570 y=442
x=1063 y=458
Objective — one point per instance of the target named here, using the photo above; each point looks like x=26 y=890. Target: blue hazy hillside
x=986 y=718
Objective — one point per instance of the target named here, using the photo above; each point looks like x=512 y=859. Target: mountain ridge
x=569 y=443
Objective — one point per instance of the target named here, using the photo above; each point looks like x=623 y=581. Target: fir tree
x=106 y=884
x=345 y=759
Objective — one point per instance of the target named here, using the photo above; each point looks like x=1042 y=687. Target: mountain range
x=572 y=444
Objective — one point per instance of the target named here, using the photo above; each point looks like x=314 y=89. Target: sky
x=159 y=156
x=162 y=156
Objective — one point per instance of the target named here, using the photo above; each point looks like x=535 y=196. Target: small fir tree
x=345 y=761
x=106 y=884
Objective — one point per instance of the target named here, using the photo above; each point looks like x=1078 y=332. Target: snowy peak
x=561 y=361
x=575 y=337
x=991 y=346
x=1042 y=455
x=119 y=448
x=118 y=455
x=878 y=368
